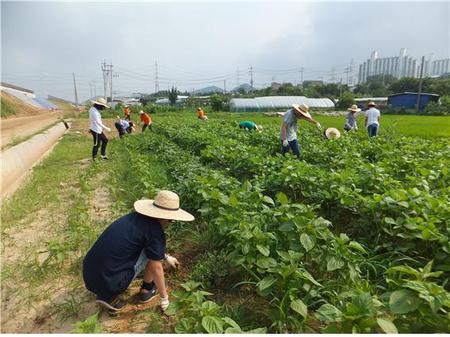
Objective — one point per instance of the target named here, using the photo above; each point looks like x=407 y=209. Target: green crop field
x=353 y=237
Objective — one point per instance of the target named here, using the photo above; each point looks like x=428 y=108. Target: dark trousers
x=372 y=129
x=293 y=144
x=99 y=138
x=145 y=127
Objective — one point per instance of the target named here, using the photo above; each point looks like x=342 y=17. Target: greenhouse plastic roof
x=277 y=102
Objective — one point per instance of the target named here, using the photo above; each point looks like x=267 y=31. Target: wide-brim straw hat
x=302 y=109
x=166 y=205
x=101 y=101
x=354 y=108
x=371 y=104
x=141 y=112
x=332 y=133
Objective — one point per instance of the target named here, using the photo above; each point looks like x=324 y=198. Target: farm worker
x=249 y=125
x=350 y=118
x=288 y=132
x=201 y=114
x=127 y=112
x=96 y=128
x=332 y=133
x=134 y=243
x=146 y=119
x=123 y=126
x=372 y=121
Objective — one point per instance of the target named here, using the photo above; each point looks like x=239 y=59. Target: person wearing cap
x=134 y=243
x=372 y=121
x=201 y=114
x=96 y=128
x=146 y=120
x=127 y=112
x=288 y=132
x=331 y=133
x=350 y=118
x=249 y=125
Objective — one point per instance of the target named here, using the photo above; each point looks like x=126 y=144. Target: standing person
x=127 y=112
x=350 y=118
x=96 y=128
x=201 y=114
x=249 y=125
x=372 y=121
x=146 y=119
x=288 y=132
x=133 y=243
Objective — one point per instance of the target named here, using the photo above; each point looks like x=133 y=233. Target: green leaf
x=266 y=282
x=355 y=245
x=184 y=326
x=329 y=313
x=299 y=307
x=389 y=221
x=306 y=241
x=257 y=330
x=231 y=322
x=268 y=200
x=334 y=263
x=307 y=276
x=263 y=250
x=282 y=198
x=212 y=324
x=386 y=325
x=266 y=262
x=403 y=301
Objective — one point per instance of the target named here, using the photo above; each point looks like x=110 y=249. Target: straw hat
x=101 y=101
x=165 y=206
x=371 y=104
x=141 y=112
x=332 y=133
x=199 y=109
x=302 y=109
x=354 y=108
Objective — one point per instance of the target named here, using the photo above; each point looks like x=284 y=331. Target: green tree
x=404 y=84
x=173 y=95
x=346 y=100
x=217 y=102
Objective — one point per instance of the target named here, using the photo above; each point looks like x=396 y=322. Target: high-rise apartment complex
x=400 y=66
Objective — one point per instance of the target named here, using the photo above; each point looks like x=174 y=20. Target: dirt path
x=55 y=304
x=13 y=128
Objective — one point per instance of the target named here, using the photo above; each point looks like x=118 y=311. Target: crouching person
x=133 y=243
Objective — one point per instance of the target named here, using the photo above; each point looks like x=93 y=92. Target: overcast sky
x=197 y=44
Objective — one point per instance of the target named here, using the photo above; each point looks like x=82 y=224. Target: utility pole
x=340 y=88
x=75 y=88
x=251 y=76
x=156 y=78
x=224 y=86
x=301 y=76
x=420 y=84
x=105 y=71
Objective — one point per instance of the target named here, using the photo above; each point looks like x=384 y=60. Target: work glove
x=172 y=261
x=318 y=126
x=108 y=129
x=285 y=143
x=164 y=303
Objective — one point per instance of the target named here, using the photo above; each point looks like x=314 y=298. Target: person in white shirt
x=372 y=119
x=96 y=128
x=288 y=132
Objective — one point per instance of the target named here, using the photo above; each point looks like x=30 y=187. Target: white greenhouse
x=276 y=103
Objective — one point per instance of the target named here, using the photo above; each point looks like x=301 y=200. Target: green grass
x=7 y=109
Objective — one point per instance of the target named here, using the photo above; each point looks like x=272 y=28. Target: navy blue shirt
x=108 y=267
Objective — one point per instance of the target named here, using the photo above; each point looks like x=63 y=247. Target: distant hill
x=244 y=86
x=207 y=90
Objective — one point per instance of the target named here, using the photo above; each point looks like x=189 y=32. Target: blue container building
x=408 y=100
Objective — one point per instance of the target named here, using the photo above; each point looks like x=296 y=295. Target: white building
x=397 y=66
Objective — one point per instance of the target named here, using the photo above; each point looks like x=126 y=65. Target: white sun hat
x=332 y=133
x=101 y=101
x=302 y=109
x=354 y=108
x=165 y=206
